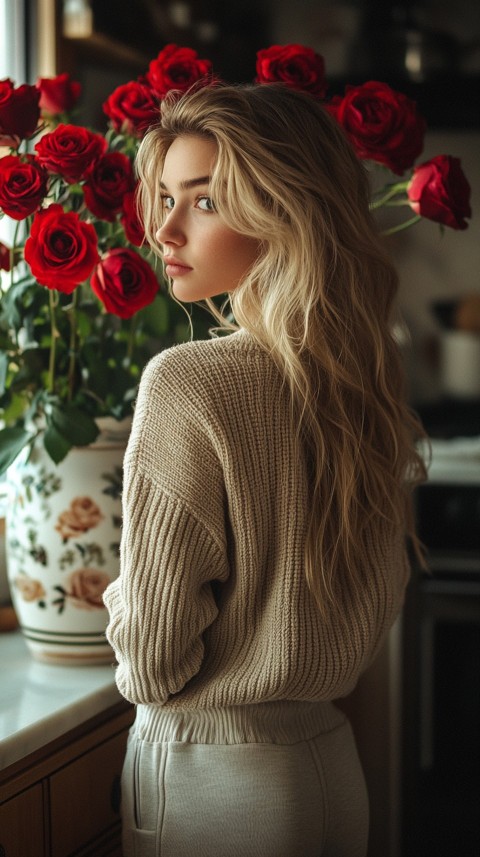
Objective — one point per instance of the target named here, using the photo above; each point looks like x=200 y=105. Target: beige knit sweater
x=211 y=607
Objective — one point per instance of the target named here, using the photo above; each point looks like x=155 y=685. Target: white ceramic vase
x=62 y=545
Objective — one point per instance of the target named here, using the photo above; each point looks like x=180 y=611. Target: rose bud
x=177 y=68
x=23 y=185
x=58 y=94
x=70 y=150
x=132 y=108
x=124 y=282
x=4 y=257
x=107 y=182
x=383 y=125
x=439 y=191
x=131 y=223
x=19 y=110
x=295 y=65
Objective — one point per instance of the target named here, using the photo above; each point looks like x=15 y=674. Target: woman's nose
x=169 y=232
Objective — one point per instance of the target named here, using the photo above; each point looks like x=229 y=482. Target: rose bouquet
x=84 y=307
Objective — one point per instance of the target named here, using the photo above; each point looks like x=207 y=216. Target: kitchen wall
x=436 y=266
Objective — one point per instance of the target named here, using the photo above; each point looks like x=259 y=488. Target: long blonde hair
x=320 y=299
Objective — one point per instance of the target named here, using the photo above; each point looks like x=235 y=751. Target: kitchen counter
x=41 y=702
x=453 y=460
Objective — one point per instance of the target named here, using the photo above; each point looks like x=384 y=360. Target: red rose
x=4 y=257
x=107 y=182
x=124 y=282
x=438 y=190
x=23 y=185
x=58 y=94
x=383 y=125
x=7 y=140
x=131 y=222
x=70 y=150
x=176 y=68
x=295 y=65
x=132 y=108
x=19 y=110
x=61 y=249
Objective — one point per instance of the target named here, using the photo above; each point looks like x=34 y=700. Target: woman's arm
x=173 y=538
x=162 y=602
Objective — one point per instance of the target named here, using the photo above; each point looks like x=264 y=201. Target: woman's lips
x=175 y=268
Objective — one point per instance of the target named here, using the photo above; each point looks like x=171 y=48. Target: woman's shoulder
x=207 y=382
x=224 y=359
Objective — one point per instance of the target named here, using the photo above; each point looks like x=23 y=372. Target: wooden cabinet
x=65 y=799
x=22 y=829
x=85 y=796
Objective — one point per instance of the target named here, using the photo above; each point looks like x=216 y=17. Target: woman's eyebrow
x=186 y=184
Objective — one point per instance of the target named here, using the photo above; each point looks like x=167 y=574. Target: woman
x=267 y=487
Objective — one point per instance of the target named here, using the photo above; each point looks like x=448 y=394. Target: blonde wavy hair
x=319 y=299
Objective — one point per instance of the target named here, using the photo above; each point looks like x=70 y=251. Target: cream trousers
x=279 y=779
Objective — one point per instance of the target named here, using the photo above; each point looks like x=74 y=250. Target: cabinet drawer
x=84 y=796
x=21 y=825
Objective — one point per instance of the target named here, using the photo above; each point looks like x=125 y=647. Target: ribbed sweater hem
x=278 y=722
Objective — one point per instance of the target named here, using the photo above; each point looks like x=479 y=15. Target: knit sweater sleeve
x=172 y=545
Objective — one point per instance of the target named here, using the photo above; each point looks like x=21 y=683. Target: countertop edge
x=26 y=727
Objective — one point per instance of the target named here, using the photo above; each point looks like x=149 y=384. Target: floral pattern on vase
x=63 y=535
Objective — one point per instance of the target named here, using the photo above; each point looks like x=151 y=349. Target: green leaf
x=77 y=428
x=56 y=444
x=84 y=324
x=3 y=372
x=14 y=407
x=12 y=441
x=11 y=301
x=156 y=317
x=103 y=228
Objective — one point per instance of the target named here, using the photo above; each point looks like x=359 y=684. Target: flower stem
x=72 y=317
x=53 y=302
x=12 y=253
x=401 y=226
x=393 y=190
x=397 y=202
x=131 y=337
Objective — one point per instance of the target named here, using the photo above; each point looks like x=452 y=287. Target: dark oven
x=441 y=663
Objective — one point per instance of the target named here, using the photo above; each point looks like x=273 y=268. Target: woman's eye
x=168 y=202
x=205 y=203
